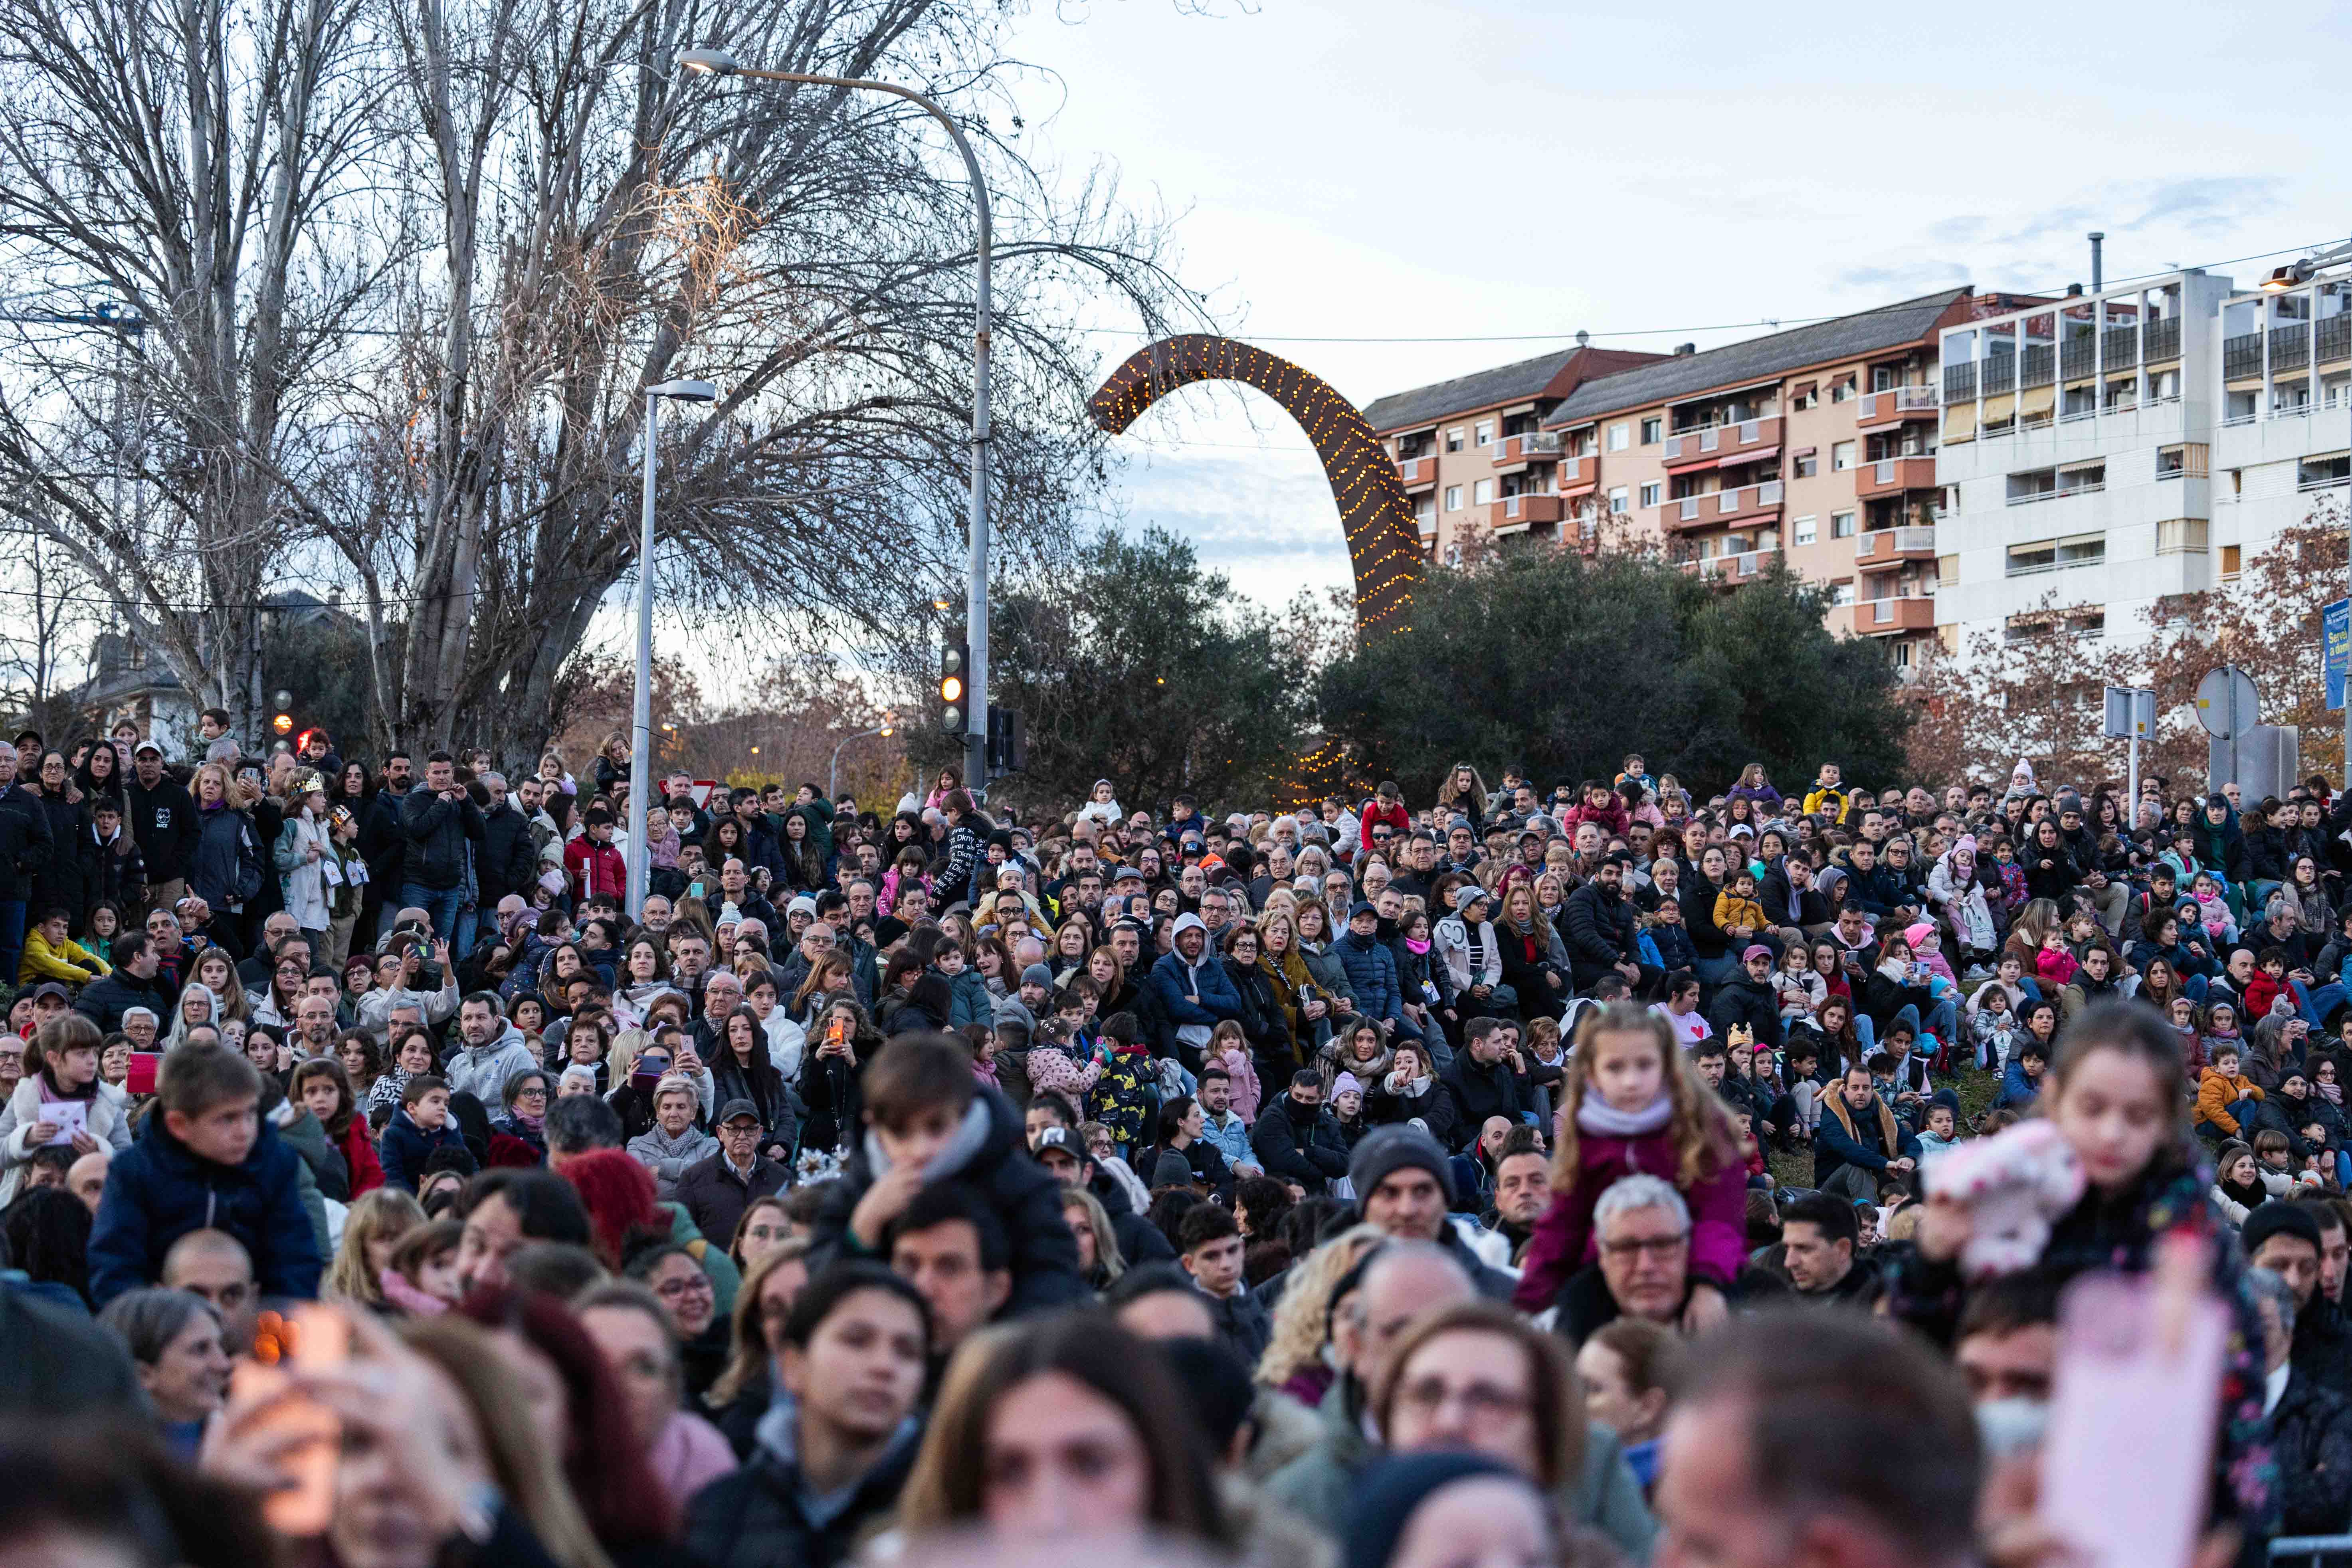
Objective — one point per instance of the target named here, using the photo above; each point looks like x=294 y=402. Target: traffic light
x=1008 y=746
x=282 y=721
x=955 y=664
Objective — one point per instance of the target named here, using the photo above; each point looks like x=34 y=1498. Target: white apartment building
x=2077 y=460
x=2284 y=440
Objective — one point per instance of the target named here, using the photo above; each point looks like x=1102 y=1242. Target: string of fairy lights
x=1383 y=543
x=1383 y=546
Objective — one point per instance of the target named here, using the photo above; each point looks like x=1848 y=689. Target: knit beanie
x=1388 y=1150
x=1389 y=1493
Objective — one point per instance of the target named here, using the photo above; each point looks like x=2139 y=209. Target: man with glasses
x=1643 y=1228
x=715 y=1191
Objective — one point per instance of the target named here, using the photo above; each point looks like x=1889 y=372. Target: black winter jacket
x=1598 y=926
x=1479 y=1092
x=437 y=831
x=118 y=871
x=25 y=842
x=1313 y=1154
x=508 y=861
x=756 y=1517
x=63 y=883
x=163 y=820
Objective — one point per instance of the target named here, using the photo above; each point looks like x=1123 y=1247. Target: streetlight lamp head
x=685 y=391
x=2287 y=276
x=708 y=62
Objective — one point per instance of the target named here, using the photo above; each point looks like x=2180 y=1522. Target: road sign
x=2131 y=713
x=2335 y=649
x=2227 y=702
x=701 y=790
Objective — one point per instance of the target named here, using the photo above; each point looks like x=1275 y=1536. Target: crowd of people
x=1604 y=1173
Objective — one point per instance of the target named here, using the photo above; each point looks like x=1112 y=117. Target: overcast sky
x=1654 y=175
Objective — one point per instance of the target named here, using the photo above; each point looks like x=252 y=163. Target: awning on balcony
x=1959 y=421
x=2038 y=402
x=1738 y=460
x=2000 y=407
x=1803 y=389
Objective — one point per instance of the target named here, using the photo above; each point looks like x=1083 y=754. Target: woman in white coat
x=61 y=1101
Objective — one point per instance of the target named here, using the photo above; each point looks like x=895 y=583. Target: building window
x=1807 y=396
x=2171 y=462
x=2057 y=554
x=1652 y=492
x=1485 y=432
x=1841 y=457
x=1841 y=593
x=1841 y=525
x=1807 y=463
x=1425 y=510
x=1653 y=431
x=2229 y=562
x=1903 y=656
x=1454 y=439
x=1841 y=389
x=1806 y=531
x=1619 y=501
x=1453 y=498
x=1482 y=491
x=1619 y=437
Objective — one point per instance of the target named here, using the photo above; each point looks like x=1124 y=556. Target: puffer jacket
x=158 y=1190
x=1600 y=931
x=1371 y=975
x=436 y=832
x=225 y=869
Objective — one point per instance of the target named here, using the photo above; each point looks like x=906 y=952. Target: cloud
x=1899 y=278
x=1266 y=521
x=2205 y=204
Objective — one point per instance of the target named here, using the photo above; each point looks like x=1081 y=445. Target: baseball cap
x=1063 y=1138
x=735 y=1107
x=52 y=988
x=1755 y=949
x=1126 y=874
x=144 y=746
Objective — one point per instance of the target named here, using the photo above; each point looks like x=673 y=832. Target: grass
x=1795 y=1168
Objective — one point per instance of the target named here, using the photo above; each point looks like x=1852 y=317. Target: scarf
x=2331 y=1093
x=1598 y=1117
x=525 y=1119
x=1416 y=948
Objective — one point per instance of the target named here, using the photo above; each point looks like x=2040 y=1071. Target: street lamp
x=2294 y=275
x=640 y=742
x=833 y=774
x=717 y=62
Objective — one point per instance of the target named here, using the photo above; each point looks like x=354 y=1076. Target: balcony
x=1515 y=452
x=1897 y=402
x=1891 y=546
x=1579 y=475
x=1706 y=446
x=1892 y=476
x=1886 y=617
x=1417 y=473
x=1735 y=505
x=1513 y=513
x=1745 y=567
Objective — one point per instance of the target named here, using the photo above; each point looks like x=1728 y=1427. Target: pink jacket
x=1564 y=1240
x=1054 y=1069
x=1243 y=1074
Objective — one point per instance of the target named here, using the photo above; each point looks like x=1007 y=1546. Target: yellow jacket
x=73 y=963
x=1731 y=910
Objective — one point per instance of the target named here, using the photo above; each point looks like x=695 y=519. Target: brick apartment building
x=1815 y=446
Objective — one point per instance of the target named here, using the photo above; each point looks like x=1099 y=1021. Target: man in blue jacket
x=1858 y=1141
x=1194 y=991
x=206 y=1161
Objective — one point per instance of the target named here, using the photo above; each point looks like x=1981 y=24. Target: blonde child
x=1632 y=1102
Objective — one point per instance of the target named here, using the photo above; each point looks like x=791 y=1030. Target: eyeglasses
x=531 y=1094
x=1479 y=1401
x=1655 y=1245
x=694 y=1284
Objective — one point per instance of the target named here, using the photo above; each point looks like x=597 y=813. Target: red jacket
x=359 y=1153
x=595 y=868
x=1396 y=816
x=2261 y=992
x=1609 y=818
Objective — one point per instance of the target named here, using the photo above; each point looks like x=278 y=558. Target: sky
x=1656 y=176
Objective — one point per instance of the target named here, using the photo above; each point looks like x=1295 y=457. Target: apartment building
x=2077 y=459
x=2282 y=448
x=1815 y=446
x=1472 y=453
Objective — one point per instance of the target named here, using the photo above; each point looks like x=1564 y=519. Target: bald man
x=214 y=1264
x=85 y=1177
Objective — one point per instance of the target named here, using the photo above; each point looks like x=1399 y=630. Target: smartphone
x=141 y=1071
x=314 y=1337
x=2128 y=1458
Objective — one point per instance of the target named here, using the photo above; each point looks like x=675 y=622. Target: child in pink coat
x=1632 y=1103
x=1229 y=1050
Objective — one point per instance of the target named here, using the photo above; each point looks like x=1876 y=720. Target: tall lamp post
x=833 y=774
x=640 y=737
x=717 y=62
x=2295 y=275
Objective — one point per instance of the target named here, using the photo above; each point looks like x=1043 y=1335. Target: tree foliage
x=2041 y=696
x=1138 y=666
x=1565 y=663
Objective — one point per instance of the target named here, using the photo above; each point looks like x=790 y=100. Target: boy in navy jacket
x=206 y=1161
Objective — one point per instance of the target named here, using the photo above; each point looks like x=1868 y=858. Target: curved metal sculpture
x=1383 y=543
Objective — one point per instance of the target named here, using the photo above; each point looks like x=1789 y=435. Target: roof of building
x=1684 y=375
x=1480 y=389
x=1555 y=375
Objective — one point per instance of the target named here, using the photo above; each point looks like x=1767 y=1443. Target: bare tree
x=600 y=224
x=53 y=611
x=201 y=160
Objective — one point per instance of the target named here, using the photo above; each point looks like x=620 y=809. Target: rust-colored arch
x=1383 y=543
